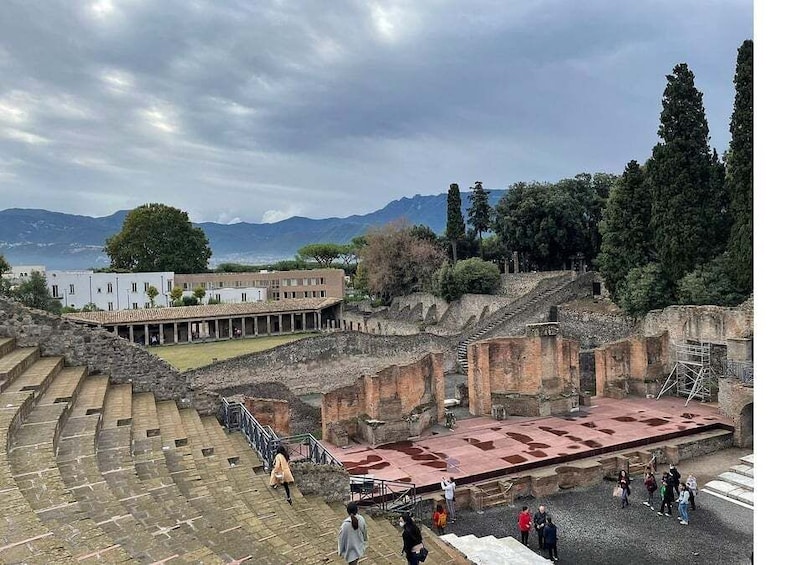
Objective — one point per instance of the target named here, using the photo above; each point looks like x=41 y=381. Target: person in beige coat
x=281 y=474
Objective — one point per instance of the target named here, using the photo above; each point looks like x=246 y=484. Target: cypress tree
x=625 y=229
x=480 y=212
x=679 y=175
x=456 y=229
x=740 y=172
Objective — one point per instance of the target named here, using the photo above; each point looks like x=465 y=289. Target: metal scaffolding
x=692 y=372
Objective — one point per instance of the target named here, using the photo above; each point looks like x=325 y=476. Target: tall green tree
x=480 y=212
x=4 y=268
x=456 y=228
x=625 y=228
x=740 y=172
x=157 y=237
x=679 y=174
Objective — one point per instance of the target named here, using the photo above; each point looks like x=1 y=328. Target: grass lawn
x=194 y=355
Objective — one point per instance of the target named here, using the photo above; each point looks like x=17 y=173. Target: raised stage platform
x=481 y=448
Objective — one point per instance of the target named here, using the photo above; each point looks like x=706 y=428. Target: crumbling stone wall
x=320 y=363
x=533 y=375
x=270 y=412
x=736 y=400
x=713 y=324
x=391 y=405
x=592 y=328
x=97 y=349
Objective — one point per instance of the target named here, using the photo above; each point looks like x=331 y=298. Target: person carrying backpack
x=439 y=519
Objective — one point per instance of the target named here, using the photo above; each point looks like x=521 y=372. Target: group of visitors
x=546 y=531
x=671 y=490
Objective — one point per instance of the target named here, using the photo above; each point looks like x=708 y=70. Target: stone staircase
x=93 y=472
x=736 y=484
x=540 y=294
x=490 y=550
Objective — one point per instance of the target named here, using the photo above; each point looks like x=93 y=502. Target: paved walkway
x=593 y=529
x=483 y=445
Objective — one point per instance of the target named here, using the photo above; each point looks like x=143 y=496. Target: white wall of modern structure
x=109 y=291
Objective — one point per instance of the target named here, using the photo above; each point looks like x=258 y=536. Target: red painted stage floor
x=479 y=446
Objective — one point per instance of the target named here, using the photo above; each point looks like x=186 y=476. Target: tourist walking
x=449 y=495
x=411 y=539
x=692 y=488
x=539 y=521
x=281 y=474
x=525 y=524
x=650 y=487
x=551 y=539
x=683 y=504
x=439 y=519
x=675 y=477
x=353 y=537
x=666 y=492
x=624 y=482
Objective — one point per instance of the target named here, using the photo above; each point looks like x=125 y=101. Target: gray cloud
x=255 y=110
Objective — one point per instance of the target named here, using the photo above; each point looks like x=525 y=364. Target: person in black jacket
x=539 y=521
x=667 y=498
x=675 y=478
x=551 y=539
x=411 y=539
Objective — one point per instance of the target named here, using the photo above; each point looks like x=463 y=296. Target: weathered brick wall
x=270 y=412
x=636 y=365
x=736 y=401
x=407 y=399
x=98 y=350
x=508 y=370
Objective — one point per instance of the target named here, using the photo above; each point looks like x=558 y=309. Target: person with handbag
x=412 y=547
x=280 y=474
x=353 y=537
x=624 y=483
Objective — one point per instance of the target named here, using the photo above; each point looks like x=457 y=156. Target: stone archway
x=745 y=426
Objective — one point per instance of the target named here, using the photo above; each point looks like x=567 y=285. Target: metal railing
x=301 y=447
x=390 y=496
x=742 y=370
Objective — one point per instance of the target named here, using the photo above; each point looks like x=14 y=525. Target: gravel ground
x=594 y=530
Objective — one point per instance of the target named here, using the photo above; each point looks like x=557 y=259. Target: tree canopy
x=324 y=254
x=157 y=237
x=394 y=262
x=35 y=294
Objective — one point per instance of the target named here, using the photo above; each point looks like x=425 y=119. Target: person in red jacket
x=525 y=524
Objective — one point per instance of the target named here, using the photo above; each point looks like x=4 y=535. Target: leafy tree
x=213 y=300
x=175 y=294
x=152 y=293
x=625 y=228
x=679 y=174
x=424 y=232
x=544 y=222
x=397 y=263
x=91 y=307
x=35 y=294
x=157 y=237
x=710 y=284
x=324 y=254
x=494 y=250
x=740 y=172
x=199 y=293
x=445 y=285
x=643 y=289
x=456 y=229
x=238 y=268
x=480 y=212
x=296 y=264
x=469 y=276
x=189 y=301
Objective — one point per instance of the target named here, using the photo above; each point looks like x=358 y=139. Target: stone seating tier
x=94 y=473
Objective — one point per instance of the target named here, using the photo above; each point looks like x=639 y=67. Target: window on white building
x=242 y=297
x=55 y=290
x=110 y=306
x=133 y=287
x=135 y=305
x=109 y=288
x=72 y=289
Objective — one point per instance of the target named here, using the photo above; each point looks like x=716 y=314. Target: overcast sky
x=257 y=110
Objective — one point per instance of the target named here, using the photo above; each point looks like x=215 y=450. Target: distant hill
x=67 y=241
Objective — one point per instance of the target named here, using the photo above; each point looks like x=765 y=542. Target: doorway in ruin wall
x=587 y=372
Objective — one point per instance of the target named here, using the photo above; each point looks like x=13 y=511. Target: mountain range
x=61 y=241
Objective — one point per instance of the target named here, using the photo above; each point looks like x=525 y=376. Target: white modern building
x=109 y=291
x=22 y=273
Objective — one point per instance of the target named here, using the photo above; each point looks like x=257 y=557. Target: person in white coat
x=449 y=495
x=353 y=537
